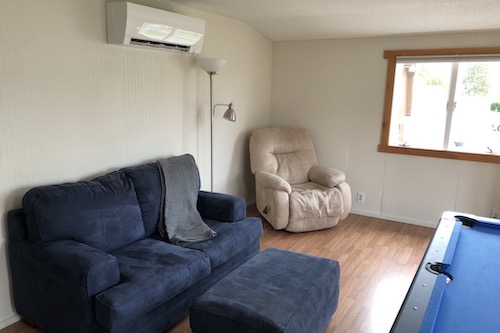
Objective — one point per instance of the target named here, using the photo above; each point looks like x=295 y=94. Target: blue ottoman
x=276 y=291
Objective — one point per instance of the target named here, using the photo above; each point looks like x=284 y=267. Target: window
x=443 y=103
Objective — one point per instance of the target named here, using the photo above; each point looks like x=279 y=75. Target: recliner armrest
x=328 y=177
x=221 y=207
x=272 y=181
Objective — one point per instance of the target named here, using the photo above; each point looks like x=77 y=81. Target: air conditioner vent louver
x=160 y=45
x=132 y=24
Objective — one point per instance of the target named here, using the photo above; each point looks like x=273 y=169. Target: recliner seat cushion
x=314 y=207
x=151 y=272
x=103 y=213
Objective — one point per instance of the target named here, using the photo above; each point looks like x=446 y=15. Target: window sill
x=488 y=158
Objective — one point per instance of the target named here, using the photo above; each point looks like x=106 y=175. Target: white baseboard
x=9 y=321
x=428 y=224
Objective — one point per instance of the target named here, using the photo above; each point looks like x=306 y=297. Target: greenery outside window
x=443 y=103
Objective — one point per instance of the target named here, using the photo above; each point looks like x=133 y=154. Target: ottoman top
x=274 y=290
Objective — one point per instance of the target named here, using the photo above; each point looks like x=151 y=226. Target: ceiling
x=286 y=20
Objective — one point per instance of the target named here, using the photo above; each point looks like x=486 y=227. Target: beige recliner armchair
x=292 y=191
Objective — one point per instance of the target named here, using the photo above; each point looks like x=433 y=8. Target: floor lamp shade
x=211 y=65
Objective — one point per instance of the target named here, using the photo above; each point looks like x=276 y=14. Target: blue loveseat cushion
x=151 y=272
x=103 y=213
x=231 y=238
x=147 y=183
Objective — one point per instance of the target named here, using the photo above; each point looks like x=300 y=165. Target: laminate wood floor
x=378 y=260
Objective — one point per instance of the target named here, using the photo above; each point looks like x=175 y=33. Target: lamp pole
x=211 y=74
x=212 y=66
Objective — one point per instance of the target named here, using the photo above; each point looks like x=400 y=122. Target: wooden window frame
x=391 y=56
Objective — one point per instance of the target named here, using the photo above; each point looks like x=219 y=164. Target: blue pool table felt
x=471 y=301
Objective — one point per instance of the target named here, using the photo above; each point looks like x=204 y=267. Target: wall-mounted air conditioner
x=132 y=24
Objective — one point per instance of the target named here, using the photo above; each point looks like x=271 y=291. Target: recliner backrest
x=287 y=152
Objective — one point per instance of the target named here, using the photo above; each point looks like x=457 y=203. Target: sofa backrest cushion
x=103 y=213
x=147 y=183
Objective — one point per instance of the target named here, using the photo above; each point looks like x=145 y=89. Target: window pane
x=443 y=103
x=475 y=126
x=418 y=117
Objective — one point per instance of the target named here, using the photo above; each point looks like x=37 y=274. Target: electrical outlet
x=495 y=213
x=360 y=197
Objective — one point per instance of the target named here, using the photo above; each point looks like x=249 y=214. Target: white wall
x=336 y=89
x=73 y=107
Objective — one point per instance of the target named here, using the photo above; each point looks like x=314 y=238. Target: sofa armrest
x=272 y=181
x=89 y=268
x=70 y=265
x=54 y=283
x=328 y=177
x=221 y=207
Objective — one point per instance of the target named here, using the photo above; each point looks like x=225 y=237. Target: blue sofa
x=87 y=257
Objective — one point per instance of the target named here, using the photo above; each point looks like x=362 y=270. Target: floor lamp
x=212 y=66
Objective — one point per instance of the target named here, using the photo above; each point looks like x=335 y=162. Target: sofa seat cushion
x=231 y=238
x=151 y=272
x=103 y=213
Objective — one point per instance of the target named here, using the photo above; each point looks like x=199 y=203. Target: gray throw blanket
x=180 y=220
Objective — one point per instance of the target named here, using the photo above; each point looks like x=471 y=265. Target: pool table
x=457 y=286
